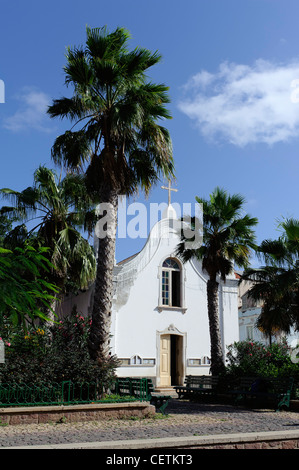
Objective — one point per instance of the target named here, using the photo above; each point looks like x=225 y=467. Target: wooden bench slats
x=277 y=390
x=198 y=385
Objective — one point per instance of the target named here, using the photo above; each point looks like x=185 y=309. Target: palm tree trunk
x=99 y=338
x=59 y=282
x=217 y=364
x=52 y=310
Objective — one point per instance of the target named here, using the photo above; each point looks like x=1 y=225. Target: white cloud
x=31 y=113
x=243 y=104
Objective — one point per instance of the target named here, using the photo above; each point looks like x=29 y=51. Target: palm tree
x=227 y=238
x=276 y=282
x=5 y=227
x=268 y=287
x=119 y=144
x=60 y=207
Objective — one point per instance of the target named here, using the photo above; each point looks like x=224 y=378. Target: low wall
x=74 y=413
x=258 y=440
x=181 y=445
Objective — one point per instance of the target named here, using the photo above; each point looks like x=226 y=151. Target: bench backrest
x=265 y=384
x=281 y=384
x=201 y=381
x=226 y=383
x=137 y=387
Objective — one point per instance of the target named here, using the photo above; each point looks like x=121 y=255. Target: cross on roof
x=169 y=188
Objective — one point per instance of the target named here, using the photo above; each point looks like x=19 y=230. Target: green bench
x=143 y=390
x=157 y=399
x=198 y=385
x=126 y=386
x=250 y=390
x=274 y=390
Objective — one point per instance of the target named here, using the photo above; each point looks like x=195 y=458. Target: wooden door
x=165 y=351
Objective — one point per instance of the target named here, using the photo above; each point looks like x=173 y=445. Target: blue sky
x=231 y=67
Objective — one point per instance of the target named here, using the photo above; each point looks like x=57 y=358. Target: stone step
x=166 y=391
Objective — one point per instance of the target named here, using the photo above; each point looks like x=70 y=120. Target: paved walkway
x=184 y=419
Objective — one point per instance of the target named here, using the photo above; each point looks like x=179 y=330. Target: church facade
x=160 y=325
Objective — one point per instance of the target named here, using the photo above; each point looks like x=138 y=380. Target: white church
x=160 y=326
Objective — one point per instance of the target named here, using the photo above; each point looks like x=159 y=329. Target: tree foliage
x=61 y=208
x=275 y=283
x=255 y=359
x=44 y=356
x=117 y=140
x=23 y=288
x=228 y=237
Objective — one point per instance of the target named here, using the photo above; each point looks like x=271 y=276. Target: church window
x=206 y=360
x=149 y=361
x=194 y=362
x=136 y=360
x=249 y=332
x=124 y=362
x=171 y=283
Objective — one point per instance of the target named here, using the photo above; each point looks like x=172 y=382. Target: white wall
x=137 y=322
x=137 y=319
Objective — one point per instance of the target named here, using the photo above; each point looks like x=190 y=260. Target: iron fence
x=137 y=387
x=64 y=393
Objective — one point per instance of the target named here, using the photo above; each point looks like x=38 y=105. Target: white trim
x=160 y=308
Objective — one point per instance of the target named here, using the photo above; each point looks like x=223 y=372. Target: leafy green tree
x=60 y=207
x=228 y=237
x=119 y=144
x=276 y=283
x=23 y=289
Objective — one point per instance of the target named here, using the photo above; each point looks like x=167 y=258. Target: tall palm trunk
x=51 y=313
x=99 y=338
x=217 y=364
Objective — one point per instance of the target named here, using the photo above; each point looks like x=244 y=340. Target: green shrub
x=251 y=358
x=44 y=356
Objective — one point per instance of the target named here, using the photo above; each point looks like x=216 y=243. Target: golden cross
x=169 y=188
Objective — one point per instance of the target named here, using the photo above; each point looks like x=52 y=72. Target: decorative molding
x=171 y=330
x=160 y=308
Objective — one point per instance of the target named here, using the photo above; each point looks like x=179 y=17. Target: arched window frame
x=136 y=360
x=164 y=269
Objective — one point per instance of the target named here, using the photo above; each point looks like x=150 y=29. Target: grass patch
x=113 y=398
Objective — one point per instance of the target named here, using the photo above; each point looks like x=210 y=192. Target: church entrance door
x=171 y=360
x=165 y=351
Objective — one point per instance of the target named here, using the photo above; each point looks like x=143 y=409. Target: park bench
x=270 y=390
x=159 y=400
x=198 y=385
x=142 y=389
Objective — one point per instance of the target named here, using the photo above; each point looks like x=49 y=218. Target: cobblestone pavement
x=184 y=419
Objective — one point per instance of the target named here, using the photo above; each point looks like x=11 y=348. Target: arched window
x=135 y=360
x=206 y=360
x=171 y=283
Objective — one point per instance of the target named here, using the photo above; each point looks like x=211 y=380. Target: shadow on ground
x=177 y=406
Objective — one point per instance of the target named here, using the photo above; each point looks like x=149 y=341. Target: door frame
x=171 y=330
